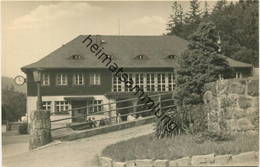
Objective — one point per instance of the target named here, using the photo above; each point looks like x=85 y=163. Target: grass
x=148 y=147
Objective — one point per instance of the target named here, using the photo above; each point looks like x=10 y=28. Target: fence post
x=40 y=128
x=109 y=112
x=159 y=101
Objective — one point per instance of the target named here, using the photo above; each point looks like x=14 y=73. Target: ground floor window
x=96 y=107
x=61 y=106
x=46 y=105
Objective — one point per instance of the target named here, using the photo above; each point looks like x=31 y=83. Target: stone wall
x=39 y=128
x=247 y=158
x=232 y=105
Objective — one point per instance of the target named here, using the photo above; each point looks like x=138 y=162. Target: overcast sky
x=31 y=30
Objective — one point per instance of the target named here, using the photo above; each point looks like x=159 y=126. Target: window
x=171 y=56
x=117 y=84
x=95 y=79
x=140 y=57
x=161 y=82
x=150 y=82
x=45 y=79
x=62 y=79
x=139 y=80
x=78 y=79
x=96 y=107
x=61 y=106
x=171 y=83
x=76 y=57
x=129 y=78
x=46 y=105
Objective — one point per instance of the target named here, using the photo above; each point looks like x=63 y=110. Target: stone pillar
x=40 y=129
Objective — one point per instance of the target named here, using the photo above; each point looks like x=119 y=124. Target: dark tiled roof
x=235 y=63
x=123 y=50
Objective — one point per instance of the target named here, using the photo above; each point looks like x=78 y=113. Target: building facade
x=72 y=77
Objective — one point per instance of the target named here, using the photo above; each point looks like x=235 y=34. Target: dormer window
x=171 y=56
x=140 y=57
x=76 y=57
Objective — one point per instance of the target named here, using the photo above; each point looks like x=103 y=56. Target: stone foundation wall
x=232 y=105
x=198 y=160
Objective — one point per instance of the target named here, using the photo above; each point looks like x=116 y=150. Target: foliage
x=200 y=64
x=214 y=136
x=13 y=104
x=236 y=22
x=23 y=128
x=148 y=147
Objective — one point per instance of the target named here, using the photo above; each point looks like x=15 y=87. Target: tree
x=236 y=22
x=200 y=64
x=206 y=10
x=13 y=104
x=175 y=25
x=193 y=17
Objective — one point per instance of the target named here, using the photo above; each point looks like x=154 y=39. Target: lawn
x=148 y=147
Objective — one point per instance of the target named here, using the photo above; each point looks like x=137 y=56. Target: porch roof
x=78 y=98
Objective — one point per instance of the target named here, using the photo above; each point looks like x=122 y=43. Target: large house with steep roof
x=72 y=77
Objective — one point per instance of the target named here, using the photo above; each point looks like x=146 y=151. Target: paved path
x=78 y=153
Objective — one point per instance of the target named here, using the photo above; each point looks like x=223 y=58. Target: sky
x=32 y=30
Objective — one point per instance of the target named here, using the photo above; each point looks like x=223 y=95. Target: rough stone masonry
x=40 y=129
x=232 y=105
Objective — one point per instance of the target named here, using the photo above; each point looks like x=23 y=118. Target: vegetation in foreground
x=149 y=147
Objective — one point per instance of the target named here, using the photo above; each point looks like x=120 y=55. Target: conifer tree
x=200 y=64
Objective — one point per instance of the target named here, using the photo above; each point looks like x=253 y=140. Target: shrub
x=23 y=128
x=214 y=136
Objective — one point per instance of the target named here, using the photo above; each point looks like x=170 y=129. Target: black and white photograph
x=129 y=83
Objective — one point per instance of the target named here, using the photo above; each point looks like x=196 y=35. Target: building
x=72 y=77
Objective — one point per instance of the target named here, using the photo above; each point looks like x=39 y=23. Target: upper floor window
x=62 y=79
x=150 y=82
x=45 y=79
x=76 y=57
x=117 y=84
x=95 y=79
x=78 y=79
x=171 y=56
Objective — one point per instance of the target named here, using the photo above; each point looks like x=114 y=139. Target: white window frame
x=61 y=106
x=95 y=79
x=150 y=81
x=46 y=105
x=118 y=85
x=45 y=79
x=171 y=81
x=78 y=79
x=63 y=77
x=95 y=108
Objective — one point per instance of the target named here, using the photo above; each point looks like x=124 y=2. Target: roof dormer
x=171 y=57
x=76 y=57
x=141 y=57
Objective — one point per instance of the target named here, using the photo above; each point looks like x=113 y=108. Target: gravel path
x=78 y=153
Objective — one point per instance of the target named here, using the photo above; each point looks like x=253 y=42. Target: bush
x=214 y=136
x=62 y=113
x=23 y=128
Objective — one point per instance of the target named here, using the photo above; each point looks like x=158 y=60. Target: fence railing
x=160 y=99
